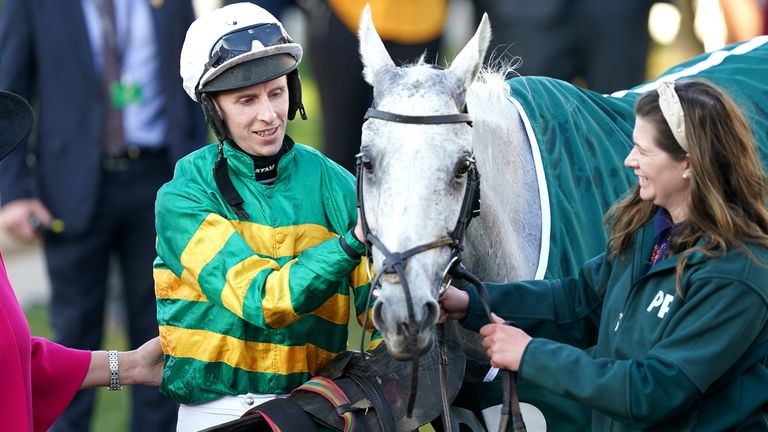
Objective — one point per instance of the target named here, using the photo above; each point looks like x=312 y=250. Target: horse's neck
x=504 y=242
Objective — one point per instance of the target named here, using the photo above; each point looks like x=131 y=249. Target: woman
x=676 y=308
x=40 y=377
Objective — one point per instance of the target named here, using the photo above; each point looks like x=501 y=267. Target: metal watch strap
x=114 y=371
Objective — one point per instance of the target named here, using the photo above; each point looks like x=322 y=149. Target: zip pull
x=618 y=323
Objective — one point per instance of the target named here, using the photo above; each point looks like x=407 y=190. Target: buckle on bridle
x=447 y=272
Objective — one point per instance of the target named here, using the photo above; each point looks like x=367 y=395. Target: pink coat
x=38 y=378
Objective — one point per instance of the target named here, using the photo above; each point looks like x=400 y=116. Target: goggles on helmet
x=246 y=40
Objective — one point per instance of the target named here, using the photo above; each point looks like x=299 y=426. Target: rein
x=396 y=262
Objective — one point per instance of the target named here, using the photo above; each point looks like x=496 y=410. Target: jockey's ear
x=372 y=51
x=467 y=64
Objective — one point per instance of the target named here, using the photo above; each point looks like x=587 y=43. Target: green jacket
x=660 y=362
x=255 y=305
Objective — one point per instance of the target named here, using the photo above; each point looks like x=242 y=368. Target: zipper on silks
x=618 y=323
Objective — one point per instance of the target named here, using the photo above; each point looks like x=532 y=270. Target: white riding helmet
x=220 y=45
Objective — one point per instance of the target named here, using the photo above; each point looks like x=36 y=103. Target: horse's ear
x=467 y=64
x=372 y=51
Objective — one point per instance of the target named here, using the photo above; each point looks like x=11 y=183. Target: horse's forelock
x=421 y=80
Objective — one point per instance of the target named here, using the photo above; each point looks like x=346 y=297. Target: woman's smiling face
x=660 y=177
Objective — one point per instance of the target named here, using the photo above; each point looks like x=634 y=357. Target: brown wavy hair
x=729 y=190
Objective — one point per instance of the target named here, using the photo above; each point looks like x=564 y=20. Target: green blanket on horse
x=580 y=139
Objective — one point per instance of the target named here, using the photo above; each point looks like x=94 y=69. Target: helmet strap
x=294 y=95
x=221 y=169
x=213 y=118
x=226 y=187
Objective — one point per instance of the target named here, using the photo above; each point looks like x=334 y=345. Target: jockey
x=258 y=241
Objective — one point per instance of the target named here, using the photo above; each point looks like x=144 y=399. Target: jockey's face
x=660 y=177
x=256 y=116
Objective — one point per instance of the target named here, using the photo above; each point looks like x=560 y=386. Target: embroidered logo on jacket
x=263 y=170
x=661 y=301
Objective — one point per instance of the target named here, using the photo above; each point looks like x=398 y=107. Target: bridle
x=397 y=261
x=470 y=206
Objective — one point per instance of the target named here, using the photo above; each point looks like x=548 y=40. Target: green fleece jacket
x=660 y=362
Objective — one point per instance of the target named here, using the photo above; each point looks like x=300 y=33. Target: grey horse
x=549 y=156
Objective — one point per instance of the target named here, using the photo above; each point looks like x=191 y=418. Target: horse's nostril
x=403 y=329
x=431 y=313
x=378 y=318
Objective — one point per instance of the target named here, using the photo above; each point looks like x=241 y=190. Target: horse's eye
x=463 y=167
x=367 y=163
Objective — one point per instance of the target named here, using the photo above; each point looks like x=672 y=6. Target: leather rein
x=395 y=262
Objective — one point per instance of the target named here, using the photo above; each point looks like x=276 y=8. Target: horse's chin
x=400 y=347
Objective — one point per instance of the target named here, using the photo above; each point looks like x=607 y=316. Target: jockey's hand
x=504 y=344
x=16 y=218
x=454 y=304
x=359 y=228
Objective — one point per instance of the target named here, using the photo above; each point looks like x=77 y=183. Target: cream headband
x=672 y=111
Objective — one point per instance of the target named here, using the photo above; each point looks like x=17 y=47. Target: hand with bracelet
x=140 y=366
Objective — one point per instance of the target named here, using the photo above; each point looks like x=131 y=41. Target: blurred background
x=678 y=30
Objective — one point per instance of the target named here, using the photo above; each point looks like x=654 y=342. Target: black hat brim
x=251 y=72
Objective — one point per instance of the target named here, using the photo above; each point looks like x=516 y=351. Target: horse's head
x=413 y=171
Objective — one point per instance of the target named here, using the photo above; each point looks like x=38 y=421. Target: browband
x=430 y=119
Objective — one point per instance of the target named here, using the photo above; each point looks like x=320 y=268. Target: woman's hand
x=149 y=363
x=454 y=304
x=504 y=344
x=141 y=366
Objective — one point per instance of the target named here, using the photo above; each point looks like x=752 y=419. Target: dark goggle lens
x=241 y=41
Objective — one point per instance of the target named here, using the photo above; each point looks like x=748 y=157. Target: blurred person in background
x=601 y=43
x=744 y=19
x=112 y=121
